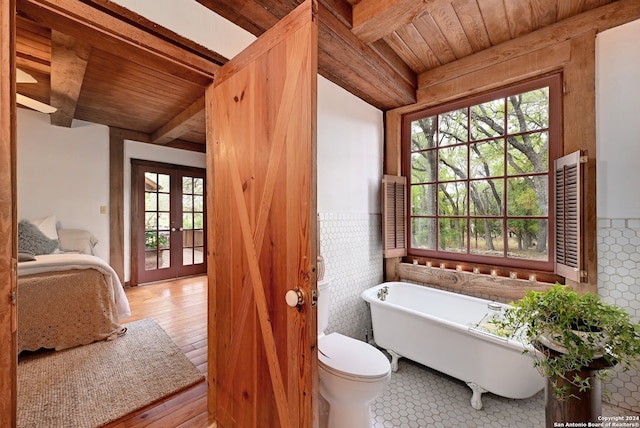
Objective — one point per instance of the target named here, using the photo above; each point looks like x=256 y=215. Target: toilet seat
x=352 y=359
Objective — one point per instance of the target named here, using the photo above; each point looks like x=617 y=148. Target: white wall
x=618 y=177
x=350 y=151
x=617 y=95
x=64 y=172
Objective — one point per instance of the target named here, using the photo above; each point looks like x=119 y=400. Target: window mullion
x=505 y=151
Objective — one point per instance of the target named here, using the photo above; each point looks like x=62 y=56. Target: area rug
x=92 y=385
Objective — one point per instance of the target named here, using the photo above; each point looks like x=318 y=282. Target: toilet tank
x=324 y=300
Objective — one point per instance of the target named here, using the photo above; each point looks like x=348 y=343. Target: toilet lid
x=350 y=357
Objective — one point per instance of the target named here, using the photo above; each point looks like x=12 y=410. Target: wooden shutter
x=394 y=219
x=568 y=197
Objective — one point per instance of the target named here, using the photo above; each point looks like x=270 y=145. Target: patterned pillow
x=32 y=240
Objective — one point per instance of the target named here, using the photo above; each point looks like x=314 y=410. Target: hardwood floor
x=180 y=307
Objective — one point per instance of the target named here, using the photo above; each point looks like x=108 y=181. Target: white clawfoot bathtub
x=439 y=329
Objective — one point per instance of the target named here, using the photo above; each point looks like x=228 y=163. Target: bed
x=67 y=298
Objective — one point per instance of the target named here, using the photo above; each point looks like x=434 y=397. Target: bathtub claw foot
x=476 y=398
x=394 y=360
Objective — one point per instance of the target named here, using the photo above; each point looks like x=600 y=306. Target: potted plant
x=575 y=337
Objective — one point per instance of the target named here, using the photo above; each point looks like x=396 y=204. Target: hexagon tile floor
x=419 y=397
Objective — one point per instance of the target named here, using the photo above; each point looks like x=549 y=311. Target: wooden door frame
x=82 y=18
x=134 y=243
x=8 y=215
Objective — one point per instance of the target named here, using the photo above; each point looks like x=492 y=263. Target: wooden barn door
x=261 y=115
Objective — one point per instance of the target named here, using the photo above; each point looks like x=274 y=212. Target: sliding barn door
x=261 y=114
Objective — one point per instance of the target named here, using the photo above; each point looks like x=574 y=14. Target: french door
x=170 y=225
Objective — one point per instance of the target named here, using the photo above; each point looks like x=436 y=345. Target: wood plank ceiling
x=375 y=49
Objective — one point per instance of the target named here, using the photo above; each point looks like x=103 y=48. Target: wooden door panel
x=261 y=162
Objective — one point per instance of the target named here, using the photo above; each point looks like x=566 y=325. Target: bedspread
x=66 y=300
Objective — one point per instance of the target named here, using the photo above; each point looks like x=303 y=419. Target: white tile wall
x=351 y=245
x=619 y=283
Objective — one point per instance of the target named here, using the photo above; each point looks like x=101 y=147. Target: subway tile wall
x=351 y=245
x=619 y=283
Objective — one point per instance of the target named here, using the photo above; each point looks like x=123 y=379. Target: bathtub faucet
x=382 y=293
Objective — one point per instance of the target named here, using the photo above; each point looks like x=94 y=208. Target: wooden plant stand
x=581 y=406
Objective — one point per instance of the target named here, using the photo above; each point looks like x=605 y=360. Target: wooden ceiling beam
x=344 y=60
x=188 y=145
x=340 y=9
x=243 y=13
x=69 y=58
x=180 y=124
x=374 y=19
x=600 y=19
x=130 y=39
x=33 y=46
x=129 y=134
x=342 y=57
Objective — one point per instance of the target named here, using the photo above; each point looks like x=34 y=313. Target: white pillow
x=47 y=225
x=77 y=241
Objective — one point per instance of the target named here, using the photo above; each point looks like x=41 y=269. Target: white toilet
x=352 y=373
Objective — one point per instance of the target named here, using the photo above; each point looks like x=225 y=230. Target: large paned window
x=480 y=176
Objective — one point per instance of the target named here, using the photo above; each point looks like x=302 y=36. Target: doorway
x=168 y=221
x=301 y=374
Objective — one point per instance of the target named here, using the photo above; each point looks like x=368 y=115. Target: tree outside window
x=479 y=174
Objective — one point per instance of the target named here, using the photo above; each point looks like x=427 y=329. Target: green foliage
x=463 y=160
x=586 y=328
x=153 y=240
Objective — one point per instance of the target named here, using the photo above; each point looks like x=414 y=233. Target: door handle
x=295 y=298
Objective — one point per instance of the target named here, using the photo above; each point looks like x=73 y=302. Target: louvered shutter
x=394 y=219
x=568 y=197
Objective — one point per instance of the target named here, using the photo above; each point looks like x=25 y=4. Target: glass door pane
x=193 y=231
x=157 y=221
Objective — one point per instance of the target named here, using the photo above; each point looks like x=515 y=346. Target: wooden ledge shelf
x=497 y=288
